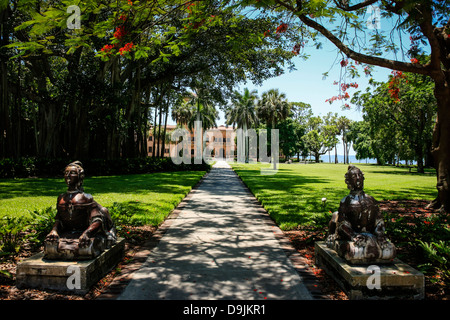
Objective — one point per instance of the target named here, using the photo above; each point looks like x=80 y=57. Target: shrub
x=12 y=235
x=438 y=253
x=42 y=221
x=40 y=167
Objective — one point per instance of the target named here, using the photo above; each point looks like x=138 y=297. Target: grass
x=293 y=195
x=151 y=197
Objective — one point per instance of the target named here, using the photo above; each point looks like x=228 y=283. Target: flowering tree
x=427 y=22
x=82 y=83
x=400 y=119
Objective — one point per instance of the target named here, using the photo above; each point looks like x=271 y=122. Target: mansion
x=220 y=140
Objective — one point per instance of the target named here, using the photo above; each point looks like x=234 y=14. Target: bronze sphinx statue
x=83 y=229
x=356 y=230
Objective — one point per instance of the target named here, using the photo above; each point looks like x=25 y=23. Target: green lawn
x=151 y=197
x=293 y=195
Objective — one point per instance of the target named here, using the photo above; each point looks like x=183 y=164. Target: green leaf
x=5 y=272
x=25 y=25
x=3 y=4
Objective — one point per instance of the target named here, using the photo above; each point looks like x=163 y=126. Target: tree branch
x=357 y=6
x=437 y=55
x=364 y=58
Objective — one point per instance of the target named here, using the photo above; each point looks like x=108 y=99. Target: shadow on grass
x=31 y=187
x=170 y=182
x=293 y=199
x=403 y=194
x=404 y=173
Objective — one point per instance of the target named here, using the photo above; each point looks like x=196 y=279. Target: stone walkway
x=219 y=244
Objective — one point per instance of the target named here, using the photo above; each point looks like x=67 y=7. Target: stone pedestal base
x=70 y=276
x=397 y=280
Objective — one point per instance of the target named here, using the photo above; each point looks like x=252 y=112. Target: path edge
x=120 y=281
x=300 y=263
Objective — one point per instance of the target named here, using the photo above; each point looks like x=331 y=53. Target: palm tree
x=273 y=108
x=243 y=113
x=204 y=111
x=182 y=112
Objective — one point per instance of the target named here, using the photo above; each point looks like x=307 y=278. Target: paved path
x=220 y=246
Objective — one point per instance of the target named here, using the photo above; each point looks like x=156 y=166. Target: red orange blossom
x=127 y=48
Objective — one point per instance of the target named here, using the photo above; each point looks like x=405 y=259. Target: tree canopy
x=399 y=122
x=90 y=91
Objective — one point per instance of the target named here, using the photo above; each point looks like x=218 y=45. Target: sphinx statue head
x=74 y=176
x=354 y=178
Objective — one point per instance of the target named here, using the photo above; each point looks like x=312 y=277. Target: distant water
x=352 y=159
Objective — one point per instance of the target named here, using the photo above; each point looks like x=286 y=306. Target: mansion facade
x=220 y=140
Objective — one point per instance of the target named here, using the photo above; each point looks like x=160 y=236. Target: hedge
x=39 y=167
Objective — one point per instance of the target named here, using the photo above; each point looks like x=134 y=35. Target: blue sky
x=306 y=84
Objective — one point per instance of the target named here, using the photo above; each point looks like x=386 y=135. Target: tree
x=343 y=125
x=88 y=92
x=319 y=138
x=427 y=22
x=273 y=107
x=402 y=126
x=362 y=142
x=182 y=112
x=331 y=122
x=290 y=133
x=242 y=112
x=202 y=107
x=301 y=113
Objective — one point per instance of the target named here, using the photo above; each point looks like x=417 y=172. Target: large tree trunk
x=158 y=146
x=82 y=136
x=48 y=129
x=317 y=157
x=154 y=133
x=5 y=124
x=335 y=154
x=419 y=152
x=441 y=148
x=419 y=144
x=164 y=131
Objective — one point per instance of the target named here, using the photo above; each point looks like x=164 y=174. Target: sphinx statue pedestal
x=397 y=280
x=75 y=277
